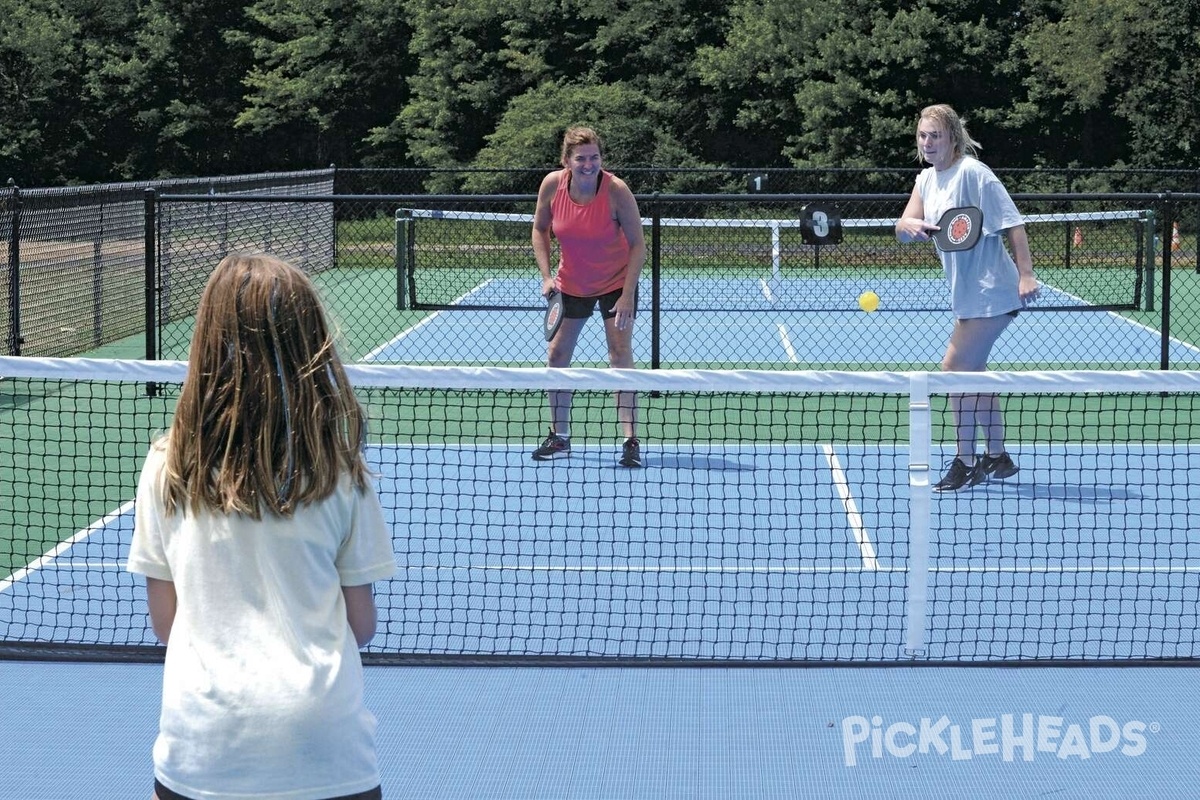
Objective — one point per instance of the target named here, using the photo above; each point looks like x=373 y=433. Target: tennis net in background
x=1087 y=260
x=780 y=516
x=194 y=236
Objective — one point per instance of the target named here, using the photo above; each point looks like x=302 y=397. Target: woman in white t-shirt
x=259 y=534
x=988 y=285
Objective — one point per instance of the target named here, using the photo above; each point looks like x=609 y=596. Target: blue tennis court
x=831 y=578
x=753 y=538
x=732 y=552
x=754 y=331
x=500 y=733
x=727 y=551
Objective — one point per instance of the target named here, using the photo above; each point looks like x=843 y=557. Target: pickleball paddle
x=958 y=229
x=554 y=314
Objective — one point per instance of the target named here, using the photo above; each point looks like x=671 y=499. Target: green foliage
x=635 y=131
x=161 y=98
x=460 y=83
x=477 y=59
x=38 y=73
x=328 y=70
x=1122 y=67
x=97 y=90
x=840 y=84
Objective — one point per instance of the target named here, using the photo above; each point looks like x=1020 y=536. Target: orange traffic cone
x=1175 y=244
x=1078 y=240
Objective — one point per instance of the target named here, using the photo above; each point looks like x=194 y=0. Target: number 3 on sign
x=820 y=224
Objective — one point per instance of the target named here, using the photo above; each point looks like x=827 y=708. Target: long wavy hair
x=266 y=420
x=955 y=128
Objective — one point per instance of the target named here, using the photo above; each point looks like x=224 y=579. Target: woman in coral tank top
x=595 y=218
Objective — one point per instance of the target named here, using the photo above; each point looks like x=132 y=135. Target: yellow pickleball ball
x=868 y=301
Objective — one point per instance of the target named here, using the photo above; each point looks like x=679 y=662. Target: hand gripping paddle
x=958 y=229
x=554 y=314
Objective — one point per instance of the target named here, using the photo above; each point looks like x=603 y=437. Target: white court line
x=1122 y=319
x=783 y=331
x=853 y=518
x=1157 y=334
x=787 y=342
x=766 y=290
x=432 y=316
x=62 y=547
x=793 y=569
x=401 y=336
x=663 y=568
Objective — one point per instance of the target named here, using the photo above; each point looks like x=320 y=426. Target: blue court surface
x=736 y=552
x=85 y=730
x=747 y=326
x=1082 y=555
x=739 y=553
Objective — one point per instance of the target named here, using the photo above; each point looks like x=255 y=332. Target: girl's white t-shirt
x=263 y=685
x=983 y=280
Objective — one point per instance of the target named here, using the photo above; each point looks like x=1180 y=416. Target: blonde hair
x=267 y=419
x=575 y=136
x=952 y=124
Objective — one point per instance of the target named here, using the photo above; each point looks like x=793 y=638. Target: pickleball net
x=1088 y=260
x=780 y=517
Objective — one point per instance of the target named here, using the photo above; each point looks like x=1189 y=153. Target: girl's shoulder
x=925 y=178
x=972 y=165
x=154 y=466
x=158 y=448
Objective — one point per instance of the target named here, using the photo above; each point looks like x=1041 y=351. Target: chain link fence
x=414 y=275
x=75 y=260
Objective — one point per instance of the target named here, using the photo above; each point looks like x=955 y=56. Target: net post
x=775 y=252
x=404 y=219
x=1069 y=243
x=1146 y=236
x=919 y=445
x=1168 y=219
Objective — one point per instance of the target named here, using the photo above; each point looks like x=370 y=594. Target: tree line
x=108 y=90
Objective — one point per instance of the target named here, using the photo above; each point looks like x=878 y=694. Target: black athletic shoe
x=1000 y=466
x=555 y=446
x=960 y=475
x=631 y=453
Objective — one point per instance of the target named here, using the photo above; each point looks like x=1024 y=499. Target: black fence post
x=15 y=339
x=404 y=231
x=98 y=278
x=655 y=284
x=335 y=260
x=1168 y=223
x=151 y=277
